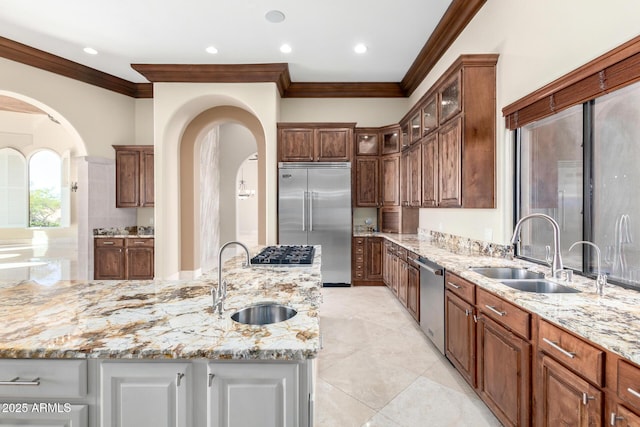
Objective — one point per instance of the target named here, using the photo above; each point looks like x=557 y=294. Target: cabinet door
x=249 y=395
x=622 y=417
x=413 y=292
x=109 y=263
x=139 y=263
x=388 y=264
x=565 y=399
x=127 y=178
x=373 y=260
x=402 y=281
x=395 y=274
x=391 y=180
x=450 y=95
x=415 y=176
x=54 y=415
x=367 y=144
x=391 y=141
x=147 y=193
x=367 y=182
x=504 y=379
x=449 y=159
x=429 y=115
x=430 y=171
x=333 y=145
x=295 y=145
x=405 y=178
x=460 y=340
x=145 y=394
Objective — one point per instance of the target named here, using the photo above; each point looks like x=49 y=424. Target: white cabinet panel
x=249 y=395
x=54 y=378
x=49 y=415
x=145 y=394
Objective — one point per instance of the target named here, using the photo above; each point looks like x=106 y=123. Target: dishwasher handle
x=436 y=271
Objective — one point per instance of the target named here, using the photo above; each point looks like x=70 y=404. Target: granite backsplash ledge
x=135 y=230
x=459 y=244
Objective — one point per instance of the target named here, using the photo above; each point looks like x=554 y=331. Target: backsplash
x=135 y=230
x=459 y=244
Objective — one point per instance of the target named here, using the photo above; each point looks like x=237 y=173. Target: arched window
x=45 y=184
x=14 y=202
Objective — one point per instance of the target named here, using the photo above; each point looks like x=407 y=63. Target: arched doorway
x=44 y=250
x=199 y=130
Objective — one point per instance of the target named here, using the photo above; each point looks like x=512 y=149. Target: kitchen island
x=103 y=350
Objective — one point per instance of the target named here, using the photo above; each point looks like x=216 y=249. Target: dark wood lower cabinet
x=123 y=259
x=460 y=341
x=504 y=373
x=413 y=291
x=367 y=261
x=565 y=399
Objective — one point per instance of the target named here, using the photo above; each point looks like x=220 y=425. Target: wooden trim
x=277 y=73
x=615 y=69
x=46 y=61
x=453 y=22
x=345 y=90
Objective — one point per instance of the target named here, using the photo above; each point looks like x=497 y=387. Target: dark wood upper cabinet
x=367 y=182
x=430 y=172
x=367 y=142
x=390 y=139
x=450 y=165
x=390 y=168
x=134 y=176
x=429 y=115
x=315 y=142
x=449 y=96
x=416 y=127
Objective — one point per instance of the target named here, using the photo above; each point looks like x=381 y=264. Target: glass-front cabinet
x=429 y=115
x=367 y=144
x=450 y=98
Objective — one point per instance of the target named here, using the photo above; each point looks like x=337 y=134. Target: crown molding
x=344 y=90
x=277 y=73
x=453 y=22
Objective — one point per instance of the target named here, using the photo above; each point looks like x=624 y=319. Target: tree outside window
x=45 y=199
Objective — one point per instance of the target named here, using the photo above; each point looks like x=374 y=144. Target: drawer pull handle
x=633 y=392
x=496 y=311
x=560 y=349
x=211 y=377
x=454 y=286
x=615 y=418
x=107 y=243
x=17 y=381
x=586 y=398
x=179 y=377
x=139 y=243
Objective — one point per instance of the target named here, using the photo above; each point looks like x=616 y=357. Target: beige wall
x=365 y=112
x=538 y=41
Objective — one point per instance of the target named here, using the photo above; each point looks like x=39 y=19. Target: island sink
x=263 y=314
x=539 y=286
x=507 y=273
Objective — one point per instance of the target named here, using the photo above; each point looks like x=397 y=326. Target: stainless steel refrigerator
x=314 y=208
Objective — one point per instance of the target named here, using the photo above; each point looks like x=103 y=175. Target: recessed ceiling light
x=285 y=48
x=90 y=51
x=360 y=48
x=212 y=50
x=274 y=16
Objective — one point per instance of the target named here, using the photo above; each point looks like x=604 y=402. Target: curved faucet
x=601 y=279
x=556 y=265
x=219 y=295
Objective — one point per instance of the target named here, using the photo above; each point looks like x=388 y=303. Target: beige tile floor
x=378 y=369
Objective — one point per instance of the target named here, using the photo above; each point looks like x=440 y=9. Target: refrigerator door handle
x=304 y=211
x=311 y=193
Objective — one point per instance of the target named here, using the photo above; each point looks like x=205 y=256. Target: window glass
x=616 y=176
x=13 y=189
x=551 y=183
x=45 y=189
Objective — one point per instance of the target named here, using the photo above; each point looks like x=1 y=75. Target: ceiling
x=322 y=34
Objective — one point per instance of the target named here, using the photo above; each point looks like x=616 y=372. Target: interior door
x=292 y=206
x=330 y=221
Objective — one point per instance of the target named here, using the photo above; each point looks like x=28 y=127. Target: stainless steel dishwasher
x=432 y=301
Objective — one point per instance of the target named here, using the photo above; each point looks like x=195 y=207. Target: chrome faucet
x=556 y=264
x=219 y=295
x=601 y=279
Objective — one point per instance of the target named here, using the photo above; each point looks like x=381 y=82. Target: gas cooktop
x=285 y=255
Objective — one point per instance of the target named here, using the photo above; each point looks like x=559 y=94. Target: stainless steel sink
x=539 y=286
x=263 y=314
x=507 y=273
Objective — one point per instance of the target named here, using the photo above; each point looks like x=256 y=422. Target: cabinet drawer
x=43 y=378
x=139 y=242
x=359 y=257
x=460 y=287
x=507 y=314
x=358 y=241
x=573 y=352
x=118 y=242
x=629 y=383
x=401 y=253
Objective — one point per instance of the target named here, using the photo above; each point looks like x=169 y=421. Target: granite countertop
x=159 y=319
x=124 y=236
x=609 y=321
